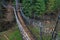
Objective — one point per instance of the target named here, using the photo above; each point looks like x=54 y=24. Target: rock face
x=7 y=21
x=9 y=14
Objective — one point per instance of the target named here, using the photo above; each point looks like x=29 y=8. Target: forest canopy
x=38 y=7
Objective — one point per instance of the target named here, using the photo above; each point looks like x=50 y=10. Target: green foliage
x=33 y=7
x=51 y=5
x=27 y=7
x=35 y=31
x=11 y=34
x=58 y=3
x=38 y=7
x=15 y=35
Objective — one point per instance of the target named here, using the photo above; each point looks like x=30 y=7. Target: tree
x=33 y=7
x=27 y=7
x=51 y=5
x=58 y=4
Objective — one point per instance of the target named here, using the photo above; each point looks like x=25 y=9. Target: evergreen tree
x=51 y=6
x=27 y=7
x=33 y=7
x=40 y=7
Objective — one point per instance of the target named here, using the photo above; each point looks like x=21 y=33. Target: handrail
x=23 y=30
